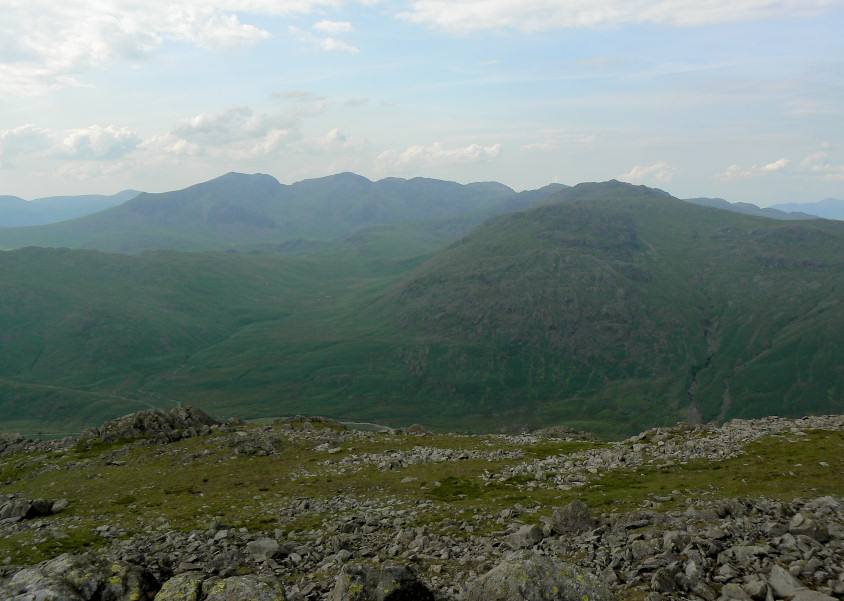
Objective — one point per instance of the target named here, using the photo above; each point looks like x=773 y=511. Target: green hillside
x=83 y=332
x=609 y=307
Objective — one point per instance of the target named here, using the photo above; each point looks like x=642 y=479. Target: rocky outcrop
x=533 y=577
x=14 y=508
x=182 y=422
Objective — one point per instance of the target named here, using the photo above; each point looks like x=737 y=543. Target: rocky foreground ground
x=180 y=507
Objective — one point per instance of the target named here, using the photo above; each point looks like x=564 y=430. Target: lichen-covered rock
x=80 y=578
x=241 y=588
x=531 y=577
x=390 y=583
x=184 y=587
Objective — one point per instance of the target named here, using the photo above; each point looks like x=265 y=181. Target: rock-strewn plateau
x=182 y=507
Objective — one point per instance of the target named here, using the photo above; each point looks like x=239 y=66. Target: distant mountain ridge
x=246 y=211
x=795 y=211
x=17 y=212
x=829 y=208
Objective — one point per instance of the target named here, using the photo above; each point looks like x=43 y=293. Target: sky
x=738 y=99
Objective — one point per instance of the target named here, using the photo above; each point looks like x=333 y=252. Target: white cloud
x=46 y=44
x=739 y=172
x=333 y=26
x=97 y=142
x=540 y=146
x=22 y=141
x=435 y=154
x=235 y=123
x=237 y=132
x=83 y=171
x=775 y=166
x=465 y=16
x=328 y=43
x=355 y=102
x=332 y=142
x=818 y=163
x=658 y=172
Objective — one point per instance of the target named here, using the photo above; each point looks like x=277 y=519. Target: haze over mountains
x=17 y=212
x=605 y=306
x=829 y=208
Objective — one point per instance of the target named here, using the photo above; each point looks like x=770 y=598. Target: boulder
x=263 y=548
x=242 y=588
x=574 y=518
x=531 y=577
x=525 y=537
x=184 y=587
x=784 y=585
x=389 y=583
x=80 y=578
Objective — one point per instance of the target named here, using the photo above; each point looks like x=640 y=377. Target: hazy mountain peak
x=828 y=208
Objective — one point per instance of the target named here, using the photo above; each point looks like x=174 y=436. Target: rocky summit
x=179 y=506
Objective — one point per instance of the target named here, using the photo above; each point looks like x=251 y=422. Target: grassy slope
x=82 y=332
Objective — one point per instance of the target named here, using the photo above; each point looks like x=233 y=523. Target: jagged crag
x=178 y=506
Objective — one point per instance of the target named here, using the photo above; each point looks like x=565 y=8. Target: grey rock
x=810 y=595
x=184 y=587
x=531 y=577
x=79 y=578
x=574 y=518
x=263 y=548
x=784 y=585
x=243 y=588
x=756 y=590
x=662 y=582
x=803 y=525
x=525 y=537
x=389 y=583
x=164 y=427
x=734 y=590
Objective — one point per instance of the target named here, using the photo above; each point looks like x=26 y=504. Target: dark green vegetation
x=608 y=307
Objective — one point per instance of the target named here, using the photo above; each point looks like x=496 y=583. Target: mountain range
x=17 y=212
x=606 y=306
x=238 y=211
